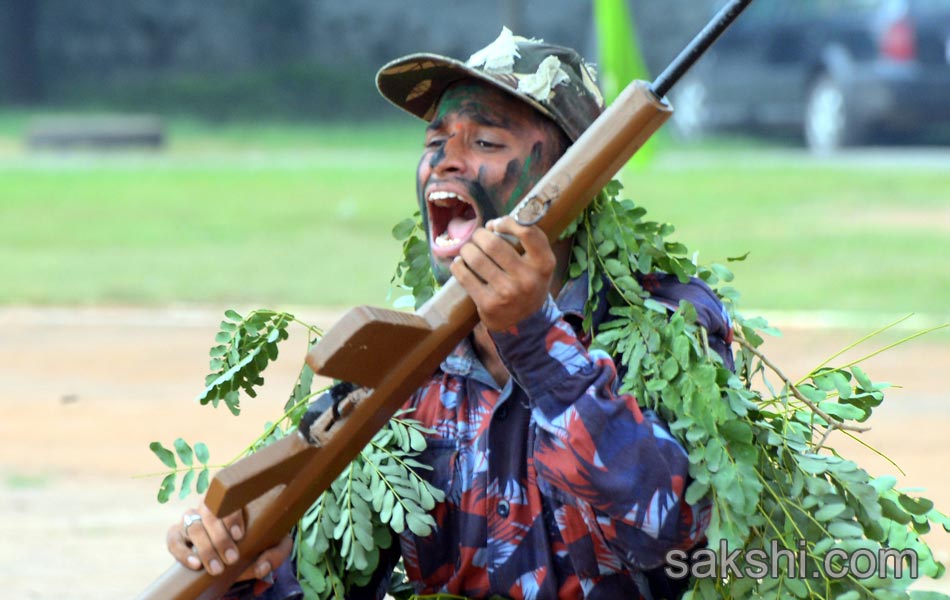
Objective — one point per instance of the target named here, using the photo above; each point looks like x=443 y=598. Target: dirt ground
x=83 y=392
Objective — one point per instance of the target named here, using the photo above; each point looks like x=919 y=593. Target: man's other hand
x=208 y=543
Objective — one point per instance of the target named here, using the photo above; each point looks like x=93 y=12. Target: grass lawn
x=284 y=215
x=818 y=237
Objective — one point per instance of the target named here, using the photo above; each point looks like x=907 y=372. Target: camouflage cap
x=553 y=79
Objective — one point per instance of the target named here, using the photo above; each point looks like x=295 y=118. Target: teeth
x=444 y=240
x=441 y=198
x=444 y=199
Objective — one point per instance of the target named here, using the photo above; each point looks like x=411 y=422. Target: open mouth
x=452 y=220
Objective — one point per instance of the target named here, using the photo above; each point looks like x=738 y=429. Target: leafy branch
x=833 y=423
x=762 y=463
x=246 y=345
x=381 y=492
x=413 y=273
x=197 y=473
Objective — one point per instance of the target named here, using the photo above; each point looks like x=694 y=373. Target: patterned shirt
x=556 y=486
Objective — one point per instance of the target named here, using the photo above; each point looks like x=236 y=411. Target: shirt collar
x=571 y=300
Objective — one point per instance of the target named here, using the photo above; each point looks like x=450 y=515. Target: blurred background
x=164 y=160
x=830 y=72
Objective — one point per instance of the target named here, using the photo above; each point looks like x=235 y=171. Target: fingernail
x=215 y=567
x=193 y=562
x=263 y=569
x=236 y=532
x=231 y=556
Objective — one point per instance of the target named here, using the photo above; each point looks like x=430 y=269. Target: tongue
x=459 y=227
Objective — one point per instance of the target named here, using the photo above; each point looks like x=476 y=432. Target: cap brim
x=415 y=83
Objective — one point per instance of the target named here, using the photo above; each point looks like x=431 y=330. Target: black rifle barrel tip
x=698 y=46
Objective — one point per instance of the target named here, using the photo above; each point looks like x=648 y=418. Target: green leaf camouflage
x=413 y=273
x=191 y=473
x=380 y=493
x=245 y=346
x=763 y=460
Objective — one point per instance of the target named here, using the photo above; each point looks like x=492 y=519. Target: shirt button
x=504 y=509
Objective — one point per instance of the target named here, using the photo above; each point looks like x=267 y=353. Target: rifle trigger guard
x=330 y=400
x=339 y=392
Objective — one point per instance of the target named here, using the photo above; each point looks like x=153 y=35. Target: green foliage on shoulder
x=760 y=460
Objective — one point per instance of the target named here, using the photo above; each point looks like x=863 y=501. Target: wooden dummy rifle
x=389 y=354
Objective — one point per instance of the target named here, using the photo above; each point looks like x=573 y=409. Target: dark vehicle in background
x=836 y=72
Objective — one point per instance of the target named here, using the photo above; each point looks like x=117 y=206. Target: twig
x=855 y=344
x=832 y=422
x=897 y=343
x=824 y=438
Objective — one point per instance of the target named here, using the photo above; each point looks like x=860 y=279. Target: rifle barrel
x=709 y=34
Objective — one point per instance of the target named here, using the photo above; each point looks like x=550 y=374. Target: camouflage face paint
x=495 y=200
x=530 y=174
x=482 y=197
x=496 y=167
x=437 y=158
x=468 y=100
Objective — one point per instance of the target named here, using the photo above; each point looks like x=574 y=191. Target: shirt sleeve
x=597 y=447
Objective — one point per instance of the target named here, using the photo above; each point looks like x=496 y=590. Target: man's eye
x=486 y=144
x=434 y=143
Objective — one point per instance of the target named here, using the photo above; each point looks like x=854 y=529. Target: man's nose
x=451 y=158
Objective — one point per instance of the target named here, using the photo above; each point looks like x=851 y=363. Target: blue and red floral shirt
x=556 y=485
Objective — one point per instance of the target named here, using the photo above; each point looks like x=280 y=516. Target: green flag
x=620 y=59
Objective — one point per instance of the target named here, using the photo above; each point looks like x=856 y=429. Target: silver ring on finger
x=188 y=520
